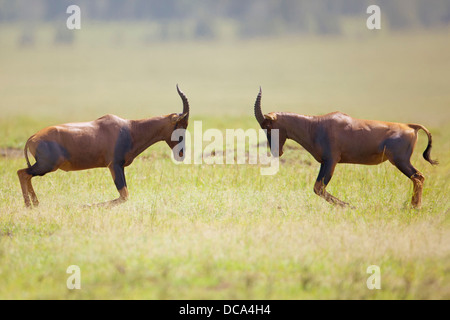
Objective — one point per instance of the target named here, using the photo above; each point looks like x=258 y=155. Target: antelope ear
x=181 y=117
x=270 y=116
x=174 y=118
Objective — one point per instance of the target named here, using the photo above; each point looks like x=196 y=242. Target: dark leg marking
x=326 y=172
x=49 y=156
x=118 y=173
x=123 y=146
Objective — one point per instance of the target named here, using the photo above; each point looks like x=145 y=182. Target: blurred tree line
x=250 y=18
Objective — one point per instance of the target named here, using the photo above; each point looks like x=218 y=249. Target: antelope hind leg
x=417 y=179
x=23 y=178
x=31 y=192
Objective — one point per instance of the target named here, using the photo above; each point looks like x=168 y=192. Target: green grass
x=224 y=231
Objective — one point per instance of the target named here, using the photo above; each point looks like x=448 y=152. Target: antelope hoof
x=340 y=203
x=107 y=204
x=416 y=206
x=343 y=204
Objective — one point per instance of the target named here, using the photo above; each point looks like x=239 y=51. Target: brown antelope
x=109 y=141
x=338 y=138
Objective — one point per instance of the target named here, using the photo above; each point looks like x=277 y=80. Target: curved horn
x=258 y=113
x=185 y=102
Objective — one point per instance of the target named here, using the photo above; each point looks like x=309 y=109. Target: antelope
x=338 y=138
x=109 y=141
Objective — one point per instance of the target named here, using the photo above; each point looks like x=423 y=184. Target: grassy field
x=225 y=231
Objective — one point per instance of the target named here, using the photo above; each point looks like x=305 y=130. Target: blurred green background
x=224 y=231
x=309 y=56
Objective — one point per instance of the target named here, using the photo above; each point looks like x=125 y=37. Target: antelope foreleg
x=122 y=198
x=325 y=174
x=319 y=189
x=118 y=175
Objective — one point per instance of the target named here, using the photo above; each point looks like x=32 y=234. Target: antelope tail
x=426 y=153
x=25 y=152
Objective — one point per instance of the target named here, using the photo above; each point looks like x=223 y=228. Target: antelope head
x=269 y=123
x=179 y=122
